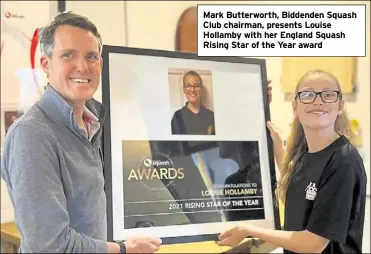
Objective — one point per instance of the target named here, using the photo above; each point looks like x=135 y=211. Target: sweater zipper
x=83 y=139
x=87 y=142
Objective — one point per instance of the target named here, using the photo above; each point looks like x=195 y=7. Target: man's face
x=75 y=66
x=192 y=88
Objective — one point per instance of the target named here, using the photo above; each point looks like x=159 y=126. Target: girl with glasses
x=323 y=180
x=193 y=118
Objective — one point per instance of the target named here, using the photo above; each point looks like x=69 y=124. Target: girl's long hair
x=297 y=143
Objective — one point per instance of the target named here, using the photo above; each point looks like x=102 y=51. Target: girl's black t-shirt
x=326 y=196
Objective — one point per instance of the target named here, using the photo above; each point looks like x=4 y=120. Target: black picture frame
x=107 y=50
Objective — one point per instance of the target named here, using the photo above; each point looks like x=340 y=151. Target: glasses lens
x=307 y=97
x=329 y=96
x=189 y=87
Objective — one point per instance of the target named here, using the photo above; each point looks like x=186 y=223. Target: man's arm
x=40 y=205
x=36 y=188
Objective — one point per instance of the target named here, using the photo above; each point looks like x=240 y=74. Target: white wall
x=15 y=55
x=108 y=16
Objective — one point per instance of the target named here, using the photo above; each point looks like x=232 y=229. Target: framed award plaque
x=186 y=150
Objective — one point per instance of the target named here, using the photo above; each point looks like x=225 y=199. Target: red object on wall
x=33 y=46
x=34 y=42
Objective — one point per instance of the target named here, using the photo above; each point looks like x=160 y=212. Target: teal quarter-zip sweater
x=55 y=179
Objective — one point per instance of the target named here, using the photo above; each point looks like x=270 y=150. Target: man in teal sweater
x=52 y=160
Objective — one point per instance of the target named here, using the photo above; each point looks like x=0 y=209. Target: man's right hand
x=143 y=244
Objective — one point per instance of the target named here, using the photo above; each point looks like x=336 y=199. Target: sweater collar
x=58 y=109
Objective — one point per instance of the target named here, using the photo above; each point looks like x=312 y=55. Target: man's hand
x=143 y=244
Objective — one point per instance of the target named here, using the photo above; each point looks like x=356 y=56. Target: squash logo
x=156 y=172
x=9 y=15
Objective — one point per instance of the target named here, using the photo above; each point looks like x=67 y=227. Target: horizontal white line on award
x=211 y=211
x=211 y=199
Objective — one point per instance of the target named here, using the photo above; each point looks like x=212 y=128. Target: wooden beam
x=61 y=6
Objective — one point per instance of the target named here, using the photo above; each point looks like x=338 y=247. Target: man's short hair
x=65 y=18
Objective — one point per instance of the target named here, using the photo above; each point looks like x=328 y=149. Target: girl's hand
x=269 y=91
x=279 y=150
x=276 y=137
x=233 y=236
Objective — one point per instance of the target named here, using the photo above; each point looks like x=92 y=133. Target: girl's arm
x=295 y=241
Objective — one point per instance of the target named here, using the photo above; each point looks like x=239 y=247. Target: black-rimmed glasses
x=308 y=97
x=189 y=87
